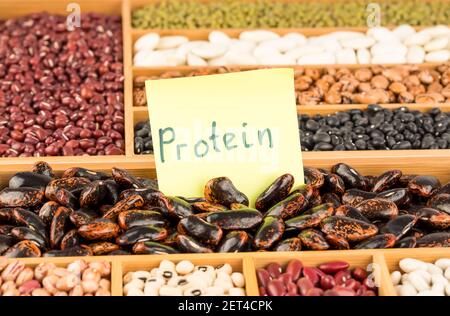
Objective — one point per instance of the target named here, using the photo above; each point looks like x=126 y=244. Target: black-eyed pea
x=102 y=292
x=238 y=279
x=89 y=286
x=214 y=291
x=197 y=280
x=91 y=274
x=27 y=274
x=127 y=277
x=103 y=267
x=166 y=274
x=154 y=271
x=166 y=290
x=135 y=292
x=226 y=285
x=166 y=265
x=42 y=270
x=236 y=291
x=193 y=292
x=151 y=289
x=76 y=291
x=184 y=267
x=225 y=268
x=49 y=283
x=61 y=293
x=206 y=277
x=67 y=282
x=157 y=281
x=133 y=284
x=223 y=276
x=143 y=275
x=105 y=284
x=40 y=292
x=207 y=269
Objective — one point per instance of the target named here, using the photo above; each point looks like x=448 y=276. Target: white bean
x=420 y=38
x=439 y=279
x=346 y=56
x=381 y=33
x=134 y=292
x=357 y=43
x=443 y=263
x=418 y=281
x=299 y=39
x=437 y=56
x=396 y=277
x=429 y=293
x=438 y=288
x=415 y=55
x=173 y=41
x=363 y=56
x=209 y=50
x=258 y=35
x=447 y=289
x=409 y=265
x=316 y=59
x=194 y=60
x=305 y=50
x=433 y=269
x=408 y=290
x=437 y=44
x=147 y=42
x=403 y=31
x=447 y=273
x=218 y=37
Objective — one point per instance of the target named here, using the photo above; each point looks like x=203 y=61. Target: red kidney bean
x=304 y=284
x=294 y=268
x=343 y=291
x=274 y=270
x=276 y=288
x=311 y=274
x=292 y=288
x=369 y=293
x=263 y=277
x=342 y=276
x=64 y=79
x=333 y=267
x=262 y=291
x=359 y=274
x=285 y=278
x=327 y=282
x=314 y=292
x=352 y=284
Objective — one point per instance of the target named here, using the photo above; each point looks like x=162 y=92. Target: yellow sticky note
x=240 y=125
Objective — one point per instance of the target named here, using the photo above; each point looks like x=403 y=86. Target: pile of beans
x=375 y=129
x=378 y=45
x=375 y=84
x=176 y=14
x=87 y=212
x=328 y=279
x=421 y=278
x=80 y=278
x=184 y=279
x=61 y=92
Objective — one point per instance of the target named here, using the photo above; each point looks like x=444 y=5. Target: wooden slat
x=128 y=85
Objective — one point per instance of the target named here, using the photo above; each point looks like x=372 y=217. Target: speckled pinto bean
x=61 y=91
